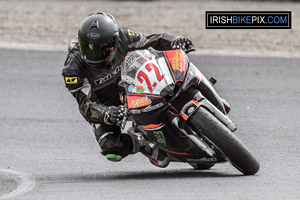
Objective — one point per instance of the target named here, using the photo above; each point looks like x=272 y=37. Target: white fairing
x=145 y=73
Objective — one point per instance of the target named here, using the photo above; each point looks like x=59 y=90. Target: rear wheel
x=202 y=166
x=225 y=140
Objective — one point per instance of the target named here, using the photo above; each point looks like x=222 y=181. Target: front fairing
x=147 y=82
x=145 y=73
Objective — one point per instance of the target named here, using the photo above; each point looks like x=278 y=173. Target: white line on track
x=27 y=183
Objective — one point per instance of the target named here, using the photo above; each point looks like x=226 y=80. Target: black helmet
x=98 y=38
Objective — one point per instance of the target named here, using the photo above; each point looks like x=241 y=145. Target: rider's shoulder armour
x=129 y=36
x=72 y=73
x=73 y=76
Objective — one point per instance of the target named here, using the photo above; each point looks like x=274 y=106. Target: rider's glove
x=182 y=43
x=113 y=115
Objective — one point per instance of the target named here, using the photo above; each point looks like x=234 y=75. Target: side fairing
x=195 y=78
x=177 y=63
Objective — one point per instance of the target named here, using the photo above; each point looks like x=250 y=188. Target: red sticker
x=138 y=101
x=177 y=60
x=177 y=63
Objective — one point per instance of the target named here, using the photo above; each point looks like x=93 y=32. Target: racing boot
x=115 y=147
x=156 y=156
x=138 y=140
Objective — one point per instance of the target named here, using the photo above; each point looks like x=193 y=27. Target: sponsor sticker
x=177 y=60
x=154 y=107
x=138 y=101
x=147 y=109
x=160 y=137
x=131 y=59
x=131 y=33
x=135 y=89
x=71 y=80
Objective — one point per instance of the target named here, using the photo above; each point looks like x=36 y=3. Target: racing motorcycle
x=176 y=109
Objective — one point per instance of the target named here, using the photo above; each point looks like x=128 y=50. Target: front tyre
x=225 y=140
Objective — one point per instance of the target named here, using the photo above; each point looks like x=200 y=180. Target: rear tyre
x=225 y=140
x=202 y=166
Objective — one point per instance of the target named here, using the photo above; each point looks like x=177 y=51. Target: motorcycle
x=177 y=110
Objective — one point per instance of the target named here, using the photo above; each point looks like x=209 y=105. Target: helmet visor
x=94 y=53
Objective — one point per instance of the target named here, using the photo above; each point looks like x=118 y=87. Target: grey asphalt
x=42 y=133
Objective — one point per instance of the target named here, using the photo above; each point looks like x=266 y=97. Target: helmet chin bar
x=100 y=63
x=94 y=63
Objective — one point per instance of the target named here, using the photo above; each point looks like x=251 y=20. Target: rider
x=92 y=71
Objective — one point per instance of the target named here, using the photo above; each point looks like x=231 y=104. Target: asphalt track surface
x=43 y=134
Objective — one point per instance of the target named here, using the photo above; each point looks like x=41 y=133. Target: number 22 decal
x=143 y=76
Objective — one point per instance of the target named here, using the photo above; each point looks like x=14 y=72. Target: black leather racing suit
x=98 y=85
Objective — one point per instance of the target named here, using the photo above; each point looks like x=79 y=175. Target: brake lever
x=189 y=50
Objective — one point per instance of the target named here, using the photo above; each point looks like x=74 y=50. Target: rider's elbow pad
x=93 y=112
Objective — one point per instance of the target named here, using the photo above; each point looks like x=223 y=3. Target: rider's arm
x=78 y=85
x=164 y=41
x=80 y=88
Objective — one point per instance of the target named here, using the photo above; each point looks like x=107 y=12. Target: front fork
x=198 y=141
x=188 y=109
x=199 y=100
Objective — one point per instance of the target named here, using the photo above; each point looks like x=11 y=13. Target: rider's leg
x=156 y=156
x=113 y=144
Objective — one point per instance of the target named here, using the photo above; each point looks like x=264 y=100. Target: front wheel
x=225 y=140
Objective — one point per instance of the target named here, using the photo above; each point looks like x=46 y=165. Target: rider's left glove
x=113 y=115
x=182 y=43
